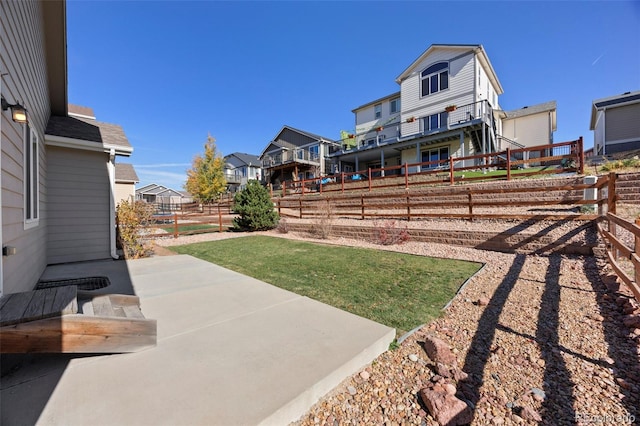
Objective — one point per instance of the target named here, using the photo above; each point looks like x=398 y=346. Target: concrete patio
x=231 y=350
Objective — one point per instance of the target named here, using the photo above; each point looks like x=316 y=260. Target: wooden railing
x=617 y=250
x=458 y=202
x=559 y=157
x=207 y=218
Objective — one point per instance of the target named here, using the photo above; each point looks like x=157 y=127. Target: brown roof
x=87 y=130
x=81 y=110
x=126 y=173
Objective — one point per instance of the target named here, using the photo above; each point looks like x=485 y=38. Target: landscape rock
x=444 y=407
x=439 y=351
x=483 y=301
x=530 y=414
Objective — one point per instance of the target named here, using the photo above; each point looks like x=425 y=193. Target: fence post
x=175 y=225
x=362 y=205
x=508 y=163
x=320 y=184
x=451 y=181
x=611 y=207
x=284 y=188
x=408 y=209
x=470 y=204
x=611 y=192
x=580 y=155
x=369 y=179
x=300 y=206
x=271 y=189
x=219 y=219
x=279 y=209
x=342 y=182
x=406 y=176
x=302 y=182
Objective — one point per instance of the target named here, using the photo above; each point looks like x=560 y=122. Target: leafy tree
x=205 y=179
x=255 y=208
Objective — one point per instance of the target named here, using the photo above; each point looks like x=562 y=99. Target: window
x=437 y=154
x=435 y=121
x=314 y=152
x=31 y=172
x=435 y=78
x=395 y=105
x=377 y=109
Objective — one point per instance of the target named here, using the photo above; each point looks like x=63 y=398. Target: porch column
x=382 y=162
x=357 y=165
x=418 y=156
x=462 y=147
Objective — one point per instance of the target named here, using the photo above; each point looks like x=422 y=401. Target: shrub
x=388 y=233
x=131 y=218
x=323 y=222
x=255 y=208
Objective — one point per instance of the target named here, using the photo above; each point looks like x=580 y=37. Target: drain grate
x=85 y=283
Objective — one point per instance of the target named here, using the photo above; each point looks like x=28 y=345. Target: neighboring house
x=447 y=106
x=239 y=168
x=154 y=193
x=615 y=122
x=294 y=155
x=126 y=179
x=58 y=173
x=531 y=125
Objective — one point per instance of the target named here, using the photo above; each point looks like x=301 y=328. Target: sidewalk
x=231 y=350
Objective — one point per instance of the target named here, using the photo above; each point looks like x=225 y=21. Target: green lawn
x=399 y=290
x=187 y=228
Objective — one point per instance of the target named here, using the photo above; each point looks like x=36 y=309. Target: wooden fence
x=547 y=159
x=617 y=250
x=193 y=219
x=457 y=202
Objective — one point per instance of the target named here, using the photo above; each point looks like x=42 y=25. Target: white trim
x=28 y=161
x=73 y=114
x=111 y=169
x=63 y=142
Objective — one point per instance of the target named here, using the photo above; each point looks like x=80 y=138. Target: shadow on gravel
x=480 y=349
x=558 y=386
x=621 y=348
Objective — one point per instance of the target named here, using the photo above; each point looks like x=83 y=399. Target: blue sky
x=170 y=72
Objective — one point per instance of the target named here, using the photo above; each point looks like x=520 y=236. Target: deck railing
x=547 y=159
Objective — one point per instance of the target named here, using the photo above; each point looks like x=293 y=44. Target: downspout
x=111 y=170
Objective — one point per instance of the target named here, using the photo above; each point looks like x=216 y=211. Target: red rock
x=632 y=321
x=483 y=301
x=530 y=414
x=438 y=351
x=443 y=370
x=445 y=408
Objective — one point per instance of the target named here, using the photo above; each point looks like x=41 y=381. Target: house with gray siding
x=447 y=106
x=615 y=122
x=239 y=168
x=295 y=154
x=57 y=170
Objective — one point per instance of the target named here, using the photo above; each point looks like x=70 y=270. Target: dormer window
x=435 y=78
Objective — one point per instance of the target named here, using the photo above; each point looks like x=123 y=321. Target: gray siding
x=79 y=195
x=622 y=123
x=22 y=58
x=295 y=138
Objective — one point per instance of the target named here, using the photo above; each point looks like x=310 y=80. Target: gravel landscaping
x=536 y=339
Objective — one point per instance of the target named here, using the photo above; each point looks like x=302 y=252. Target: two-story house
x=615 y=123
x=295 y=155
x=239 y=168
x=447 y=106
x=58 y=170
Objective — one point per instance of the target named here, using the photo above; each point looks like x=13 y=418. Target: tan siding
x=23 y=60
x=623 y=123
x=530 y=130
x=124 y=192
x=78 y=205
